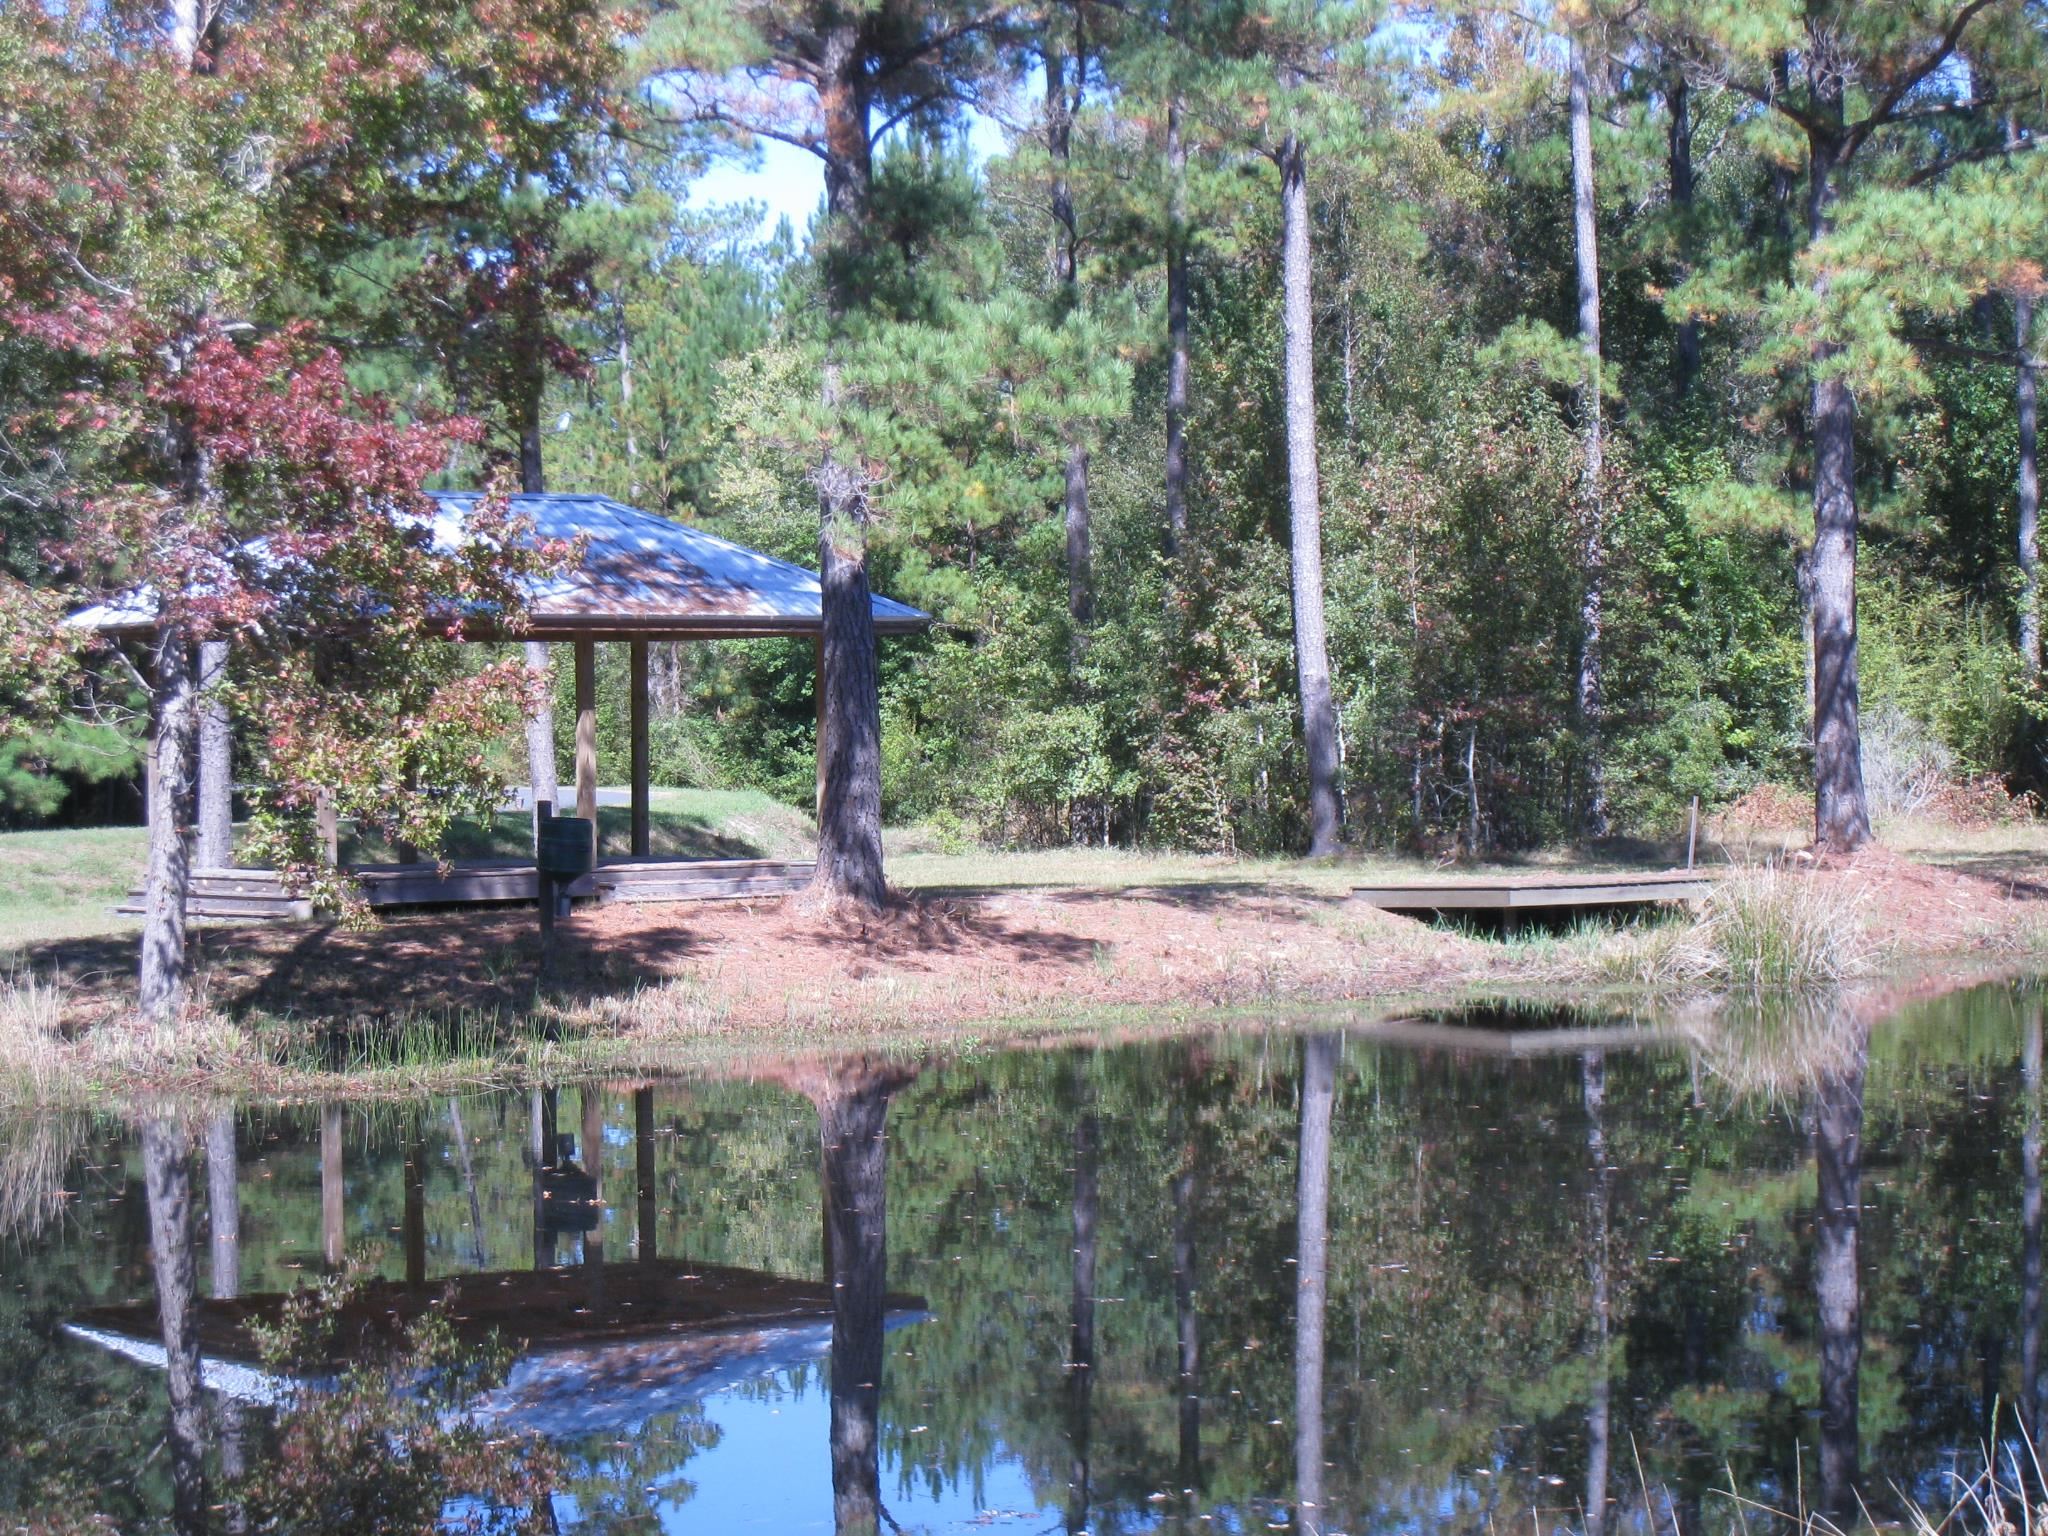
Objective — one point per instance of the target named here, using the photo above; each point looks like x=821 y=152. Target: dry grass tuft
x=31 y=1028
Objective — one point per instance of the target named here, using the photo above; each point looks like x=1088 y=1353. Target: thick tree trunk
x=167 y=1181
x=1599 y=1395
x=1586 y=697
x=1841 y=816
x=1176 y=329
x=1311 y=1278
x=1678 y=102
x=851 y=1131
x=1305 y=513
x=2028 y=395
x=540 y=725
x=1060 y=106
x=1080 y=1382
x=168 y=880
x=1837 y=1284
x=216 y=842
x=850 y=824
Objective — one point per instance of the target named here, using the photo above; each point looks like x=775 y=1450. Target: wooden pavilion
x=638 y=579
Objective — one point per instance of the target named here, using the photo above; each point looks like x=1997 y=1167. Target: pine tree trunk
x=1841 y=816
x=851 y=1131
x=1176 y=330
x=1678 y=101
x=168 y=879
x=1060 y=105
x=1311 y=1278
x=1593 y=448
x=167 y=1183
x=850 y=821
x=1837 y=1283
x=216 y=845
x=540 y=725
x=2028 y=395
x=1305 y=514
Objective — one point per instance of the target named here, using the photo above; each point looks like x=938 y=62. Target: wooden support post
x=637 y=693
x=586 y=731
x=329 y=828
x=818 y=688
x=544 y=888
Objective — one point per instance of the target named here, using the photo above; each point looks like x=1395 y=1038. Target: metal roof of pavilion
x=639 y=577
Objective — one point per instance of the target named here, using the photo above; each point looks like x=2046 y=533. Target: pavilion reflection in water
x=602 y=1345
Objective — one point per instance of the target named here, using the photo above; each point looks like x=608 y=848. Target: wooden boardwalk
x=257 y=895
x=1536 y=893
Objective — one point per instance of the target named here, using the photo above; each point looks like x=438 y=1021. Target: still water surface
x=1456 y=1275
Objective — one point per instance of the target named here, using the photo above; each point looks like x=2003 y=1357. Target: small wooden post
x=637 y=709
x=1692 y=833
x=586 y=732
x=544 y=811
x=818 y=688
x=328 y=826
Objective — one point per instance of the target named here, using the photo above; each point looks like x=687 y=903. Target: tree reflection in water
x=167 y=1178
x=1599 y=1397
x=853 y=1111
x=1837 y=1283
x=1311 y=1278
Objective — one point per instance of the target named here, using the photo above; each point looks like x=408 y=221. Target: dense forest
x=1456 y=428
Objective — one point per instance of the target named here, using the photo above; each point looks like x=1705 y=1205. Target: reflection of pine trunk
x=413 y=1227
x=851 y=1129
x=2030 y=1236
x=167 y=1178
x=1838 y=1161
x=476 y=1209
x=1081 y=1328
x=224 y=1228
x=1599 y=1409
x=333 y=1192
x=643 y=1174
x=1311 y=1278
x=1187 y=1326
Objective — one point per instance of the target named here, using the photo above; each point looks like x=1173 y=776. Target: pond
x=1501 y=1271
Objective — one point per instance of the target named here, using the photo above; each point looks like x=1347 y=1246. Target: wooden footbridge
x=1512 y=897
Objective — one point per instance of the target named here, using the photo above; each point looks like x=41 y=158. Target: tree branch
x=1907 y=82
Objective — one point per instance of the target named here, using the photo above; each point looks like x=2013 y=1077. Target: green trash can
x=567 y=847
